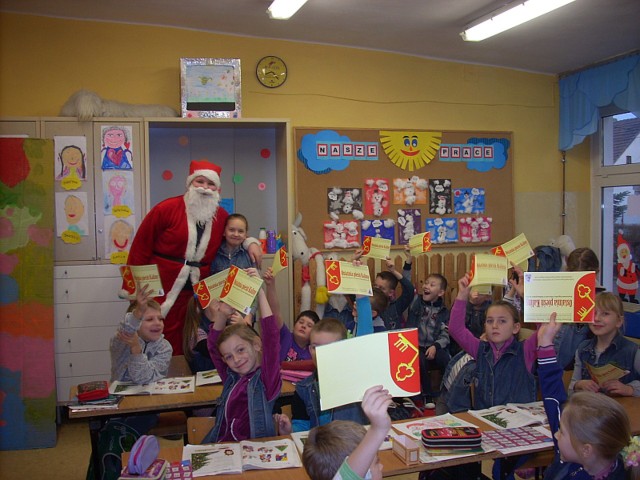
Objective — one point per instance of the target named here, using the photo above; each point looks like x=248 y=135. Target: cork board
x=394 y=183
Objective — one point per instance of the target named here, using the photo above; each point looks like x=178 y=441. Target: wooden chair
x=198 y=427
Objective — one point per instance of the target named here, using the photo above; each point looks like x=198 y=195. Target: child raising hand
x=250 y=370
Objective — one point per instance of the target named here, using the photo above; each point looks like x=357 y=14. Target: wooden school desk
x=204 y=396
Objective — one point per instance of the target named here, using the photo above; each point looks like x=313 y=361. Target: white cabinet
x=87 y=313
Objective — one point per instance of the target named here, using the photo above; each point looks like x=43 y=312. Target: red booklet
x=93 y=391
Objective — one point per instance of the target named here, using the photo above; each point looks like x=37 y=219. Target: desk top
x=203 y=396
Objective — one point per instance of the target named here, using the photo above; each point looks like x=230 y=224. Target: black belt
x=179 y=260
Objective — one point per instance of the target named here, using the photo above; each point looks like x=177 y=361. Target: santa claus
x=627 y=277
x=182 y=235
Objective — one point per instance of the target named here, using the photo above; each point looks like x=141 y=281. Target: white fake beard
x=201 y=204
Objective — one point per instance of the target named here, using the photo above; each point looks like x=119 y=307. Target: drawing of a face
x=114 y=138
x=73 y=209
x=121 y=233
x=71 y=158
x=117 y=187
x=410 y=150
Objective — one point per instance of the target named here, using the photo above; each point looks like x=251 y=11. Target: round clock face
x=271 y=71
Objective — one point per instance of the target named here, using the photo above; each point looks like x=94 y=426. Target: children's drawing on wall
x=440 y=196
x=71 y=219
x=409 y=224
x=71 y=160
x=442 y=230
x=475 y=229
x=468 y=200
x=119 y=238
x=378 y=228
x=341 y=234
x=410 y=150
x=344 y=201
x=376 y=197
x=116 y=148
x=410 y=191
x=117 y=187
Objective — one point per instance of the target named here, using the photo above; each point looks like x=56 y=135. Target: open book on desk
x=208 y=377
x=221 y=458
x=164 y=386
x=513 y=415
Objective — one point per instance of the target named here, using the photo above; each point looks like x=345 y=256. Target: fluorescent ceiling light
x=284 y=9
x=515 y=14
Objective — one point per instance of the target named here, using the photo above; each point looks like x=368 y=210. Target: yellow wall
x=44 y=60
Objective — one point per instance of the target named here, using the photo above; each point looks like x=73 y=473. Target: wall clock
x=271 y=71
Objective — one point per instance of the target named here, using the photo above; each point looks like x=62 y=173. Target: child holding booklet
x=608 y=346
x=194 y=338
x=346 y=450
x=592 y=434
x=250 y=370
x=387 y=281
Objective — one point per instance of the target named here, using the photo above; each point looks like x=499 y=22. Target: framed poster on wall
x=210 y=87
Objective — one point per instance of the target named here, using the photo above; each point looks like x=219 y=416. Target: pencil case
x=452 y=437
x=96 y=390
x=143 y=453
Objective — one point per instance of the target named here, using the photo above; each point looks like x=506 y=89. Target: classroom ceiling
x=572 y=37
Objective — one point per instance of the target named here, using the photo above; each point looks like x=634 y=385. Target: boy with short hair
x=387 y=281
x=371 y=308
x=430 y=316
x=345 y=450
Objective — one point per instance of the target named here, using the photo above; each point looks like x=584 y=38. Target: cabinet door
x=20 y=127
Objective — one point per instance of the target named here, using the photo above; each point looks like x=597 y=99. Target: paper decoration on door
x=116 y=150
x=410 y=191
x=468 y=200
x=376 y=197
x=71 y=161
x=328 y=150
x=341 y=234
x=442 y=230
x=344 y=201
x=440 y=196
x=71 y=219
x=117 y=186
x=475 y=229
x=378 y=228
x=409 y=224
x=118 y=239
x=410 y=150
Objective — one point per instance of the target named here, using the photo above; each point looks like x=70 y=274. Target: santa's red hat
x=206 y=169
x=622 y=242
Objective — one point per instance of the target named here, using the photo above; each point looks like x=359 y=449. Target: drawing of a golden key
x=402 y=344
x=333 y=279
x=585 y=293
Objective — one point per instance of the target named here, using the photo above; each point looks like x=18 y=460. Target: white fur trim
x=178 y=284
x=210 y=174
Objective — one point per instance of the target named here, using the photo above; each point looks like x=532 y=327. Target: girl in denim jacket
x=250 y=371
x=608 y=346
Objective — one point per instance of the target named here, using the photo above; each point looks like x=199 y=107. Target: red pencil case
x=452 y=437
x=93 y=391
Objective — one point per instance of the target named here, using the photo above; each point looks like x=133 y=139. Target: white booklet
x=207 y=377
x=221 y=458
x=164 y=386
x=513 y=415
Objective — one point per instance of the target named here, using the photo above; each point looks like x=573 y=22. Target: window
x=616 y=194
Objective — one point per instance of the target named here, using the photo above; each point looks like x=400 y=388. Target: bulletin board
x=458 y=185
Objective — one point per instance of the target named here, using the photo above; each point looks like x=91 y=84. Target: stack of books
x=452 y=440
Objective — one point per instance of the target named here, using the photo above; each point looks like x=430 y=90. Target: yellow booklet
x=210 y=288
x=376 y=247
x=488 y=270
x=344 y=277
x=280 y=261
x=604 y=373
x=516 y=250
x=135 y=276
x=570 y=294
x=420 y=243
x=240 y=289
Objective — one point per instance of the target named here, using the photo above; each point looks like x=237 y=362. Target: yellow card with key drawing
x=570 y=294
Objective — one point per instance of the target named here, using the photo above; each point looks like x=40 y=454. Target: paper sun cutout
x=410 y=150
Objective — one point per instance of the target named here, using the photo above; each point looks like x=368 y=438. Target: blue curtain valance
x=582 y=93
